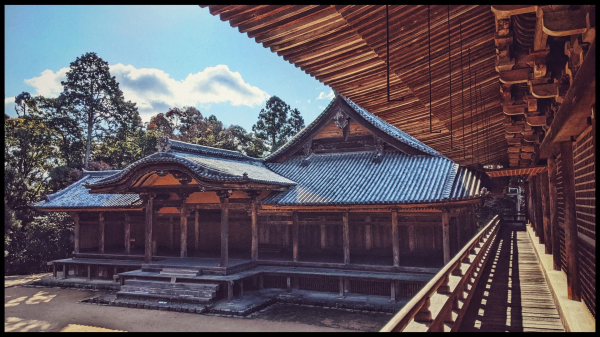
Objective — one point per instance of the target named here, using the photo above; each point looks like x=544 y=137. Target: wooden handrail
x=400 y=321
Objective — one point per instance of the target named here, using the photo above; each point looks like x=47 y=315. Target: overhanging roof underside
x=345 y=47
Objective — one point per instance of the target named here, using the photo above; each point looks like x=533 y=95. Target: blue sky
x=162 y=56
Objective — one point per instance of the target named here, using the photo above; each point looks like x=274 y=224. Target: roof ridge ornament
x=307 y=149
x=163 y=144
x=379 y=146
x=341 y=119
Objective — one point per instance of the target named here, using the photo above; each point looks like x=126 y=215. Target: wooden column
x=346 y=238
x=148 y=199
x=533 y=204
x=458 y=223
x=295 y=235
x=323 y=236
x=411 y=238
x=196 y=231
x=395 y=239
x=171 y=233
x=553 y=205
x=127 y=234
x=570 y=220
x=254 y=249
x=368 y=233
x=224 y=197
x=446 y=235
x=539 y=207
x=546 y=213
x=76 y=231
x=101 y=234
x=183 y=224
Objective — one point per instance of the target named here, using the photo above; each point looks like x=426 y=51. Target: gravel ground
x=55 y=309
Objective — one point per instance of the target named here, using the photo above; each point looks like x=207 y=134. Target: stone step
x=168 y=285
x=182 y=272
x=162 y=297
x=173 y=292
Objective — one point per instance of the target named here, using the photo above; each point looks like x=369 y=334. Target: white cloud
x=156 y=91
x=48 y=83
x=9 y=106
x=309 y=101
x=329 y=95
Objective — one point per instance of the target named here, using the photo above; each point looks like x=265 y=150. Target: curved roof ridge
x=196 y=148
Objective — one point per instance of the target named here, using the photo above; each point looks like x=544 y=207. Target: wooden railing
x=440 y=306
x=513 y=216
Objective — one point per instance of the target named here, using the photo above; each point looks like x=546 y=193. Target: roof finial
x=163 y=144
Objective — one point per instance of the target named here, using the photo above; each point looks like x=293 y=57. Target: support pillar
x=295 y=235
x=254 y=250
x=539 y=207
x=570 y=220
x=458 y=232
x=323 y=236
x=368 y=233
x=395 y=239
x=127 y=234
x=171 y=233
x=553 y=205
x=346 y=238
x=183 y=223
x=149 y=201
x=196 y=231
x=411 y=238
x=101 y=234
x=546 y=213
x=76 y=231
x=224 y=197
x=446 y=235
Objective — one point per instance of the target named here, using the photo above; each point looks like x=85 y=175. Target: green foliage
x=273 y=125
x=95 y=100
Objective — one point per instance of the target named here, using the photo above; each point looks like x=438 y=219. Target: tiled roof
x=209 y=163
x=76 y=196
x=377 y=122
x=467 y=183
x=353 y=178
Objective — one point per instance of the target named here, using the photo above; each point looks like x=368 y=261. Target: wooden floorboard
x=513 y=295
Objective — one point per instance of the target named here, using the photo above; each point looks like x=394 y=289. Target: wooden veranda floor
x=513 y=295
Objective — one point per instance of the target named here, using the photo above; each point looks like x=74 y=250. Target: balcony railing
x=440 y=306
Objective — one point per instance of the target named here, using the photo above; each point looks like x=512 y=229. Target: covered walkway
x=513 y=295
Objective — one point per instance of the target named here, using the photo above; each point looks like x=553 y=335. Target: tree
x=94 y=96
x=296 y=121
x=272 y=124
x=23 y=103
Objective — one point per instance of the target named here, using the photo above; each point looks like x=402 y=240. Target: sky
x=162 y=57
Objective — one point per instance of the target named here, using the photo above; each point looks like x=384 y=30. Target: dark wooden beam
x=148 y=201
x=183 y=215
x=546 y=213
x=539 y=208
x=76 y=231
x=395 y=239
x=101 y=230
x=295 y=236
x=196 y=230
x=224 y=198
x=446 y=236
x=127 y=234
x=254 y=249
x=570 y=220
x=346 y=238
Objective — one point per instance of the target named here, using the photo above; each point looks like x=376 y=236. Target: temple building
x=351 y=204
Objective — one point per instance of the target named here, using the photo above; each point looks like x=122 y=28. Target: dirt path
x=55 y=309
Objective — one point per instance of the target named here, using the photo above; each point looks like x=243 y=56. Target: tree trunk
x=88 y=145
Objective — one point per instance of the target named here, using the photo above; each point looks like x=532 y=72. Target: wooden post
x=342 y=287
x=101 y=226
x=197 y=231
x=539 y=209
x=346 y=238
x=224 y=197
x=183 y=223
x=553 y=205
x=570 y=220
x=368 y=233
x=458 y=222
x=411 y=238
x=446 y=235
x=254 y=248
x=393 y=291
x=148 y=227
x=395 y=239
x=295 y=235
x=289 y=284
x=546 y=213
x=54 y=270
x=89 y=272
x=65 y=270
x=532 y=189
x=171 y=233
x=323 y=229
x=127 y=234
x=76 y=231
x=230 y=290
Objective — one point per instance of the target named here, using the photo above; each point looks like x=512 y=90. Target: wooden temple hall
x=437 y=110
x=348 y=194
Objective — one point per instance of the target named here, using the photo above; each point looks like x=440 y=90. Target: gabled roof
x=208 y=163
x=76 y=196
x=364 y=117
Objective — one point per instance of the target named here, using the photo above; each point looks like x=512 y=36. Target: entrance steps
x=181 y=292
